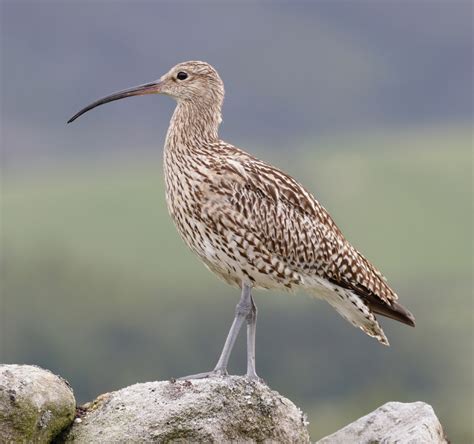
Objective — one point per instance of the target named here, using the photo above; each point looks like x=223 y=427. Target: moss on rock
x=35 y=404
x=208 y=410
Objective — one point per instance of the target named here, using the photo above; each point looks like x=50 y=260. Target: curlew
x=249 y=222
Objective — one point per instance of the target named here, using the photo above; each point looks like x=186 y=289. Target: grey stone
x=394 y=422
x=35 y=404
x=38 y=406
x=206 y=410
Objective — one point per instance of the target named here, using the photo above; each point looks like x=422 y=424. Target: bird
x=252 y=224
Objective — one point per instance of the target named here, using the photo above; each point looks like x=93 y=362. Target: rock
x=205 y=410
x=411 y=423
x=35 y=404
x=38 y=406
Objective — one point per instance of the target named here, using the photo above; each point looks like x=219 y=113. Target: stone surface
x=206 y=410
x=394 y=422
x=35 y=404
x=38 y=406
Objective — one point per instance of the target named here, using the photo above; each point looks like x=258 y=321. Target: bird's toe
x=212 y=374
x=254 y=378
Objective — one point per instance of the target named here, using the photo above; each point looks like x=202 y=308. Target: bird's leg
x=251 y=330
x=242 y=311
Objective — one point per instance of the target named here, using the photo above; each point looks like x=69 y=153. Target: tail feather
x=394 y=311
x=355 y=310
x=389 y=308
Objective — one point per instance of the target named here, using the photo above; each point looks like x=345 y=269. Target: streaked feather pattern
x=250 y=222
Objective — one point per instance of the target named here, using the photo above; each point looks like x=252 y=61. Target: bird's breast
x=186 y=177
x=188 y=183
x=201 y=202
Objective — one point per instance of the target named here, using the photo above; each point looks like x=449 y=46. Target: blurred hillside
x=292 y=70
x=100 y=288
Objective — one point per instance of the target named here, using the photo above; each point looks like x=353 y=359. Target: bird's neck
x=193 y=123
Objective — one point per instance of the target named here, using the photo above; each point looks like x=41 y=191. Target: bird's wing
x=267 y=209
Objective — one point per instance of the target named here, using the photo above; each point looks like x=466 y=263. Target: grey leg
x=251 y=331
x=242 y=311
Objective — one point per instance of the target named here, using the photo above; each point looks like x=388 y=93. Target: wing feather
x=286 y=221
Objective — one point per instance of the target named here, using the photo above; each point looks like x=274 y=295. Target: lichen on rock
x=35 y=404
x=211 y=410
x=38 y=406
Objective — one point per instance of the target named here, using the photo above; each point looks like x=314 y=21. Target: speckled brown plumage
x=249 y=222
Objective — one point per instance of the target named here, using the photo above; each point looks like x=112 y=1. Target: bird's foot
x=216 y=373
x=252 y=376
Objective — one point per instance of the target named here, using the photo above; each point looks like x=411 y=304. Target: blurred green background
x=368 y=105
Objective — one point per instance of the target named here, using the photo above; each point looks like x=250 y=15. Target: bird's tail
x=353 y=308
x=394 y=311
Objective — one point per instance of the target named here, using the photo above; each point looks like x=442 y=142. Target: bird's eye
x=182 y=75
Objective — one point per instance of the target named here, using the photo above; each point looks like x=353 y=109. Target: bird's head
x=193 y=82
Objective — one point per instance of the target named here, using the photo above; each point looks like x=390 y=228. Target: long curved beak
x=140 y=90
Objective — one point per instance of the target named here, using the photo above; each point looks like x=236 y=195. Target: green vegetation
x=98 y=287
